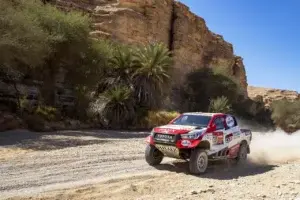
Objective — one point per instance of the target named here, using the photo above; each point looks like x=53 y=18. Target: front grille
x=166 y=138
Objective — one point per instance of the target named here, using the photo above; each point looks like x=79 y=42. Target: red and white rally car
x=199 y=138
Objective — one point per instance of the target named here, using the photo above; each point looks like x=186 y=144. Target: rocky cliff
x=268 y=95
x=141 y=21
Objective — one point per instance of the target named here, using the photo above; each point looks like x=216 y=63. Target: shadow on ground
x=62 y=139
x=219 y=170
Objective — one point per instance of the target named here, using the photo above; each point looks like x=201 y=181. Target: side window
x=219 y=123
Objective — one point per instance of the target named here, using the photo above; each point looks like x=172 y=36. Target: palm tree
x=152 y=65
x=119 y=108
x=220 y=104
x=118 y=70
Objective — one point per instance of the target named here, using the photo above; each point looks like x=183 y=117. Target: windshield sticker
x=184 y=118
x=229 y=121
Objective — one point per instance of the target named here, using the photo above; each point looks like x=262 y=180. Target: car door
x=232 y=131
x=218 y=133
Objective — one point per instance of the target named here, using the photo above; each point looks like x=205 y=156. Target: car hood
x=175 y=129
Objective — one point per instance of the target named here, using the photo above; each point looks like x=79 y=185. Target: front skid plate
x=169 y=151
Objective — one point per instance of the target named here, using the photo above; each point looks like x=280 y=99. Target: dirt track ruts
x=110 y=165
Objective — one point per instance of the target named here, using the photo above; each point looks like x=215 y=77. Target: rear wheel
x=242 y=154
x=199 y=161
x=153 y=156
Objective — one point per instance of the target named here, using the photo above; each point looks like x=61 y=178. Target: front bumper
x=172 y=140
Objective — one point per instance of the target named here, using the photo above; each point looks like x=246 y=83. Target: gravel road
x=110 y=165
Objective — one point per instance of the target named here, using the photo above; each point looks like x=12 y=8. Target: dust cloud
x=275 y=147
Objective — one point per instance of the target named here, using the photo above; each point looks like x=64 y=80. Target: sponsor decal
x=218 y=138
x=208 y=137
x=228 y=138
x=178 y=127
x=163 y=137
x=185 y=143
x=236 y=135
x=229 y=121
x=215 y=139
x=174 y=129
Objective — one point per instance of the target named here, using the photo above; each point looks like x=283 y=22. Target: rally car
x=199 y=138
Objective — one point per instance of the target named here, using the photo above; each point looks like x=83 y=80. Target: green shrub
x=47 y=113
x=220 y=105
x=286 y=115
x=158 y=118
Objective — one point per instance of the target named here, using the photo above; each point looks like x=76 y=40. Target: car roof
x=203 y=113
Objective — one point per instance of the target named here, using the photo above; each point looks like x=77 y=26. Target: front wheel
x=153 y=156
x=198 y=162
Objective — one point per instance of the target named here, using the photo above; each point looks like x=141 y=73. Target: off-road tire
x=198 y=161
x=153 y=156
x=242 y=154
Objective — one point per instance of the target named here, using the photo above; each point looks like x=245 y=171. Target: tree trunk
x=18 y=95
x=49 y=85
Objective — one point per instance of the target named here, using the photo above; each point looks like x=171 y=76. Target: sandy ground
x=110 y=165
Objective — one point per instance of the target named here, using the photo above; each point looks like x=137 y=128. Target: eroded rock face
x=168 y=21
x=268 y=95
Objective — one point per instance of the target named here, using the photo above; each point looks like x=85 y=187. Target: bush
x=47 y=113
x=158 y=118
x=286 y=115
x=203 y=85
x=119 y=107
x=35 y=123
x=248 y=108
x=220 y=104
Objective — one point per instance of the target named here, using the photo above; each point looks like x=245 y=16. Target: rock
x=72 y=124
x=167 y=21
x=207 y=190
x=9 y=122
x=133 y=187
x=295 y=182
x=269 y=95
x=261 y=195
x=194 y=192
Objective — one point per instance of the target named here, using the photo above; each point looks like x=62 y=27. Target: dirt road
x=110 y=165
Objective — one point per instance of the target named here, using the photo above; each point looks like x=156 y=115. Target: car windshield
x=193 y=120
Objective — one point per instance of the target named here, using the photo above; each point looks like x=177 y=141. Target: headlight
x=152 y=132
x=192 y=135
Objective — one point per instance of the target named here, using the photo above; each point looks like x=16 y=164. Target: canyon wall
x=168 y=21
x=268 y=95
